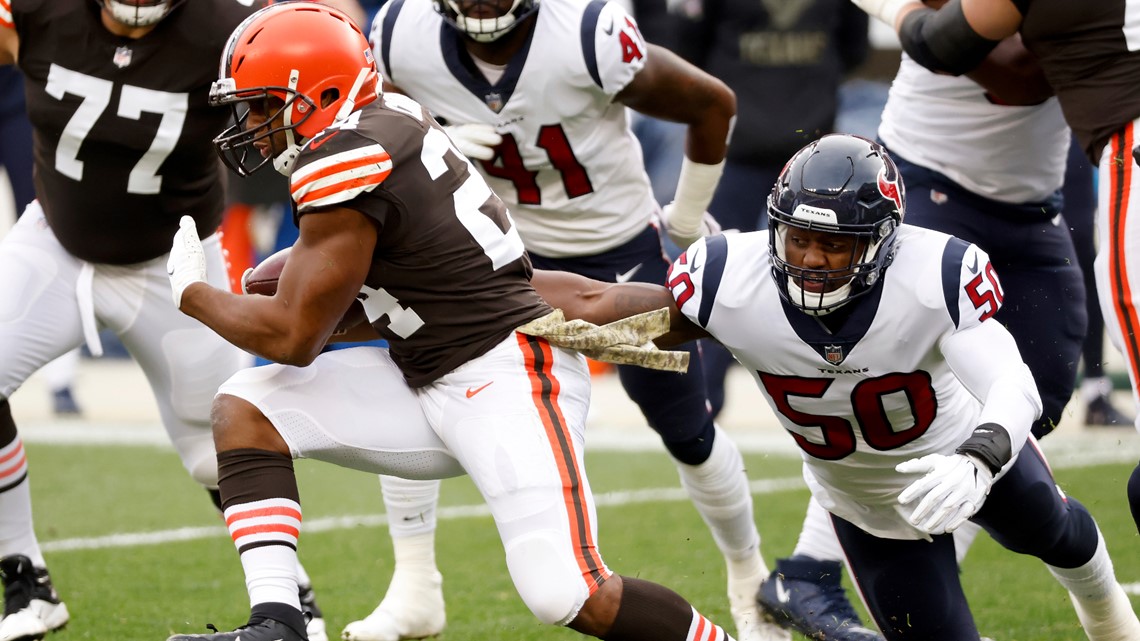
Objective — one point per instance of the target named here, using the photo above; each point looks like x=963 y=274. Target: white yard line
x=1076 y=455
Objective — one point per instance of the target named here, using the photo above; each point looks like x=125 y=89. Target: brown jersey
x=1091 y=57
x=449 y=278
x=122 y=128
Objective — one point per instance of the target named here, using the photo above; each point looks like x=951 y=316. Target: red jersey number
x=507 y=164
x=866 y=408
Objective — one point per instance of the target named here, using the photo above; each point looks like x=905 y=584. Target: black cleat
x=265 y=630
x=31 y=606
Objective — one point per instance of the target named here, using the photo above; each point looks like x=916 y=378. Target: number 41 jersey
x=569 y=167
x=868 y=397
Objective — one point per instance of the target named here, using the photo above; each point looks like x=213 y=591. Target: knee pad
x=546 y=577
x=199 y=458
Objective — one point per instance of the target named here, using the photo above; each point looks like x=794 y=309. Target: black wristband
x=991 y=444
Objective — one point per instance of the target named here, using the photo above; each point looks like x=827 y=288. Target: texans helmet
x=840 y=184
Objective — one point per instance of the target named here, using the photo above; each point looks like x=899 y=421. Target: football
x=262 y=280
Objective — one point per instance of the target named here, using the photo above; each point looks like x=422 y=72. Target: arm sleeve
x=986 y=360
x=943 y=41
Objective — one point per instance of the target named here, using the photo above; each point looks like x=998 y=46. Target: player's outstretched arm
x=600 y=303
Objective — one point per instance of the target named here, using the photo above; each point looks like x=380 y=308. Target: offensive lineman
x=117 y=94
x=389 y=208
x=873 y=342
x=536 y=93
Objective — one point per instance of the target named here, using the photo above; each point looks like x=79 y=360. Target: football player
x=985 y=166
x=536 y=93
x=117 y=93
x=1090 y=56
x=389 y=209
x=875 y=343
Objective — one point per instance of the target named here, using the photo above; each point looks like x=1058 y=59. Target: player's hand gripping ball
x=262 y=280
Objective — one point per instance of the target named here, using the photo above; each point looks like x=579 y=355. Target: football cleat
x=315 y=621
x=411 y=609
x=751 y=624
x=1101 y=413
x=805 y=595
x=31 y=606
x=265 y=630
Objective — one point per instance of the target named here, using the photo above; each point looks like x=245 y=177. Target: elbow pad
x=942 y=41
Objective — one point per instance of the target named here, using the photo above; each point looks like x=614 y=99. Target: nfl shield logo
x=833 y=354
x=494 y=100
x=122 y=57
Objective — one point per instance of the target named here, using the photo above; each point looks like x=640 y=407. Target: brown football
x=262 y=280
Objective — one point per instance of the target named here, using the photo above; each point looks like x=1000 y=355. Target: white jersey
x=878 y=392
x=569 y=168
x=948 y=124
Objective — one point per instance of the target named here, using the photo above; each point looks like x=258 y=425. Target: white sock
x=17 y=534
x=271 y=575
x=1093 y=388
x=1092 y=581
x=411 y=508
x=817 y=538
x=719 y=490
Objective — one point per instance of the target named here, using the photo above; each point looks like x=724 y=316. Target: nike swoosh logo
x=610 y=29
x=473 y=392
x=313 y=145
x=974 y=266
x=624 y=278
x=782 y=594
x=694 y=266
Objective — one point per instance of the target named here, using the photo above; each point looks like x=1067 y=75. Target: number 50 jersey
x=569 y=167
x=880 y=390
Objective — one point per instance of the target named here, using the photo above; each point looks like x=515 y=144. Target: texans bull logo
x=889 y=187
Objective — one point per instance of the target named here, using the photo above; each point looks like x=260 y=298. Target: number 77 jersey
x=874 y=393
x=569 y=168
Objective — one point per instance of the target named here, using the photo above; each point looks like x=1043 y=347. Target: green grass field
x=90 y=500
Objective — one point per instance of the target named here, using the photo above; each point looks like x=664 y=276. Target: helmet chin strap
x=136 y=16
x=349 y=104
x=284 y=161
x=485 y=29
x=823 y=300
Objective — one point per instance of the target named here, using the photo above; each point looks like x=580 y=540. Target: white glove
x=707 y=227
x=474 y=140
x=187 y=263
x=952 y=490
x=885 y=10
